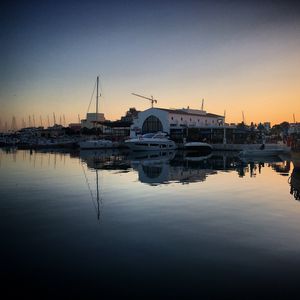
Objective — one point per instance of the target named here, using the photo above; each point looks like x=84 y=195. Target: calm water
x=107 y=223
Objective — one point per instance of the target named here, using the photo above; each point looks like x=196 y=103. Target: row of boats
x=160 y=142
x=148 y=142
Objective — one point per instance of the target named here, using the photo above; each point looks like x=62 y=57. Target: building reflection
x=165 y=167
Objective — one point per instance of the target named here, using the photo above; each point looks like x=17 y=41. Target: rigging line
x=89 y=187
x=92 y=96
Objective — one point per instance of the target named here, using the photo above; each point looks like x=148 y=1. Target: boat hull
x=261 y=153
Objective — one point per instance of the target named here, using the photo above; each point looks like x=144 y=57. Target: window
x=152 y=124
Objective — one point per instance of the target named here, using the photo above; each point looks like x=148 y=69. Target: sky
x=236 y=56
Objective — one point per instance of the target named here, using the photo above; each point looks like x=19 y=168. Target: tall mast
x=97 y=96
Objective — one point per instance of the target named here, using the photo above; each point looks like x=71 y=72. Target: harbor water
x=165 y=225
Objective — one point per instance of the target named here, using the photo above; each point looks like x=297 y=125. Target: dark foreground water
x=163 y=225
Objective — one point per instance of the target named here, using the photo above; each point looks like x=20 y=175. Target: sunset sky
x=237 y=56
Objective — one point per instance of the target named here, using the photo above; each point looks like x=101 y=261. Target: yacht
x=151 y=141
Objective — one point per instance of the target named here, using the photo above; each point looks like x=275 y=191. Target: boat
x=151 y=141
x=198 y=146
x=96 y=144
x=261 y=153
x=265 y=150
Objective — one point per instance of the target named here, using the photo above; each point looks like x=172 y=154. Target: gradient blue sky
x=237 y=56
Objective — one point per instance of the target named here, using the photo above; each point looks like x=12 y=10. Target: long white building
x=166 y=120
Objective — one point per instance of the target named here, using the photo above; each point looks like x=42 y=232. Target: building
x=294 y=128
x=130 y=115
x=174 y=121
x=117 y=130
x=91 y=119
x=75 y=127
x=267 y=126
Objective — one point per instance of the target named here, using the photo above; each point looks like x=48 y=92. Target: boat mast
x=97 y=96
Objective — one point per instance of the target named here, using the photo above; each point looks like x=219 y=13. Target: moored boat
x=151 y=141
x=266 y=150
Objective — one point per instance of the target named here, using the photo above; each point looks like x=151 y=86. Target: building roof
x=182 y=112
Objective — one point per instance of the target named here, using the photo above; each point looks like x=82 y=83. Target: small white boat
x=263 y=152
x=96 y=144
x=151 y=141
x=198 y=146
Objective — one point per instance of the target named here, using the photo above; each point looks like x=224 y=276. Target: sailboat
x=96 y=143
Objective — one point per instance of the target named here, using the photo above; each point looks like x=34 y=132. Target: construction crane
x=150 y=99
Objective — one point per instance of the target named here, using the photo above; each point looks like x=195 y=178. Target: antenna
x=41 y=121
x=54 y=120
x=59 y=120
x=294 y=118
x=202 y=105
x=79 y=118
x=33 y=120
x=243 y=117
x=151 y=99
x=48 y=120
x=29 y=121
x=64 y=120
x=224 y=114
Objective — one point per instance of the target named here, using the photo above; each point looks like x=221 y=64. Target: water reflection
x=165 y=167
x=181 y=211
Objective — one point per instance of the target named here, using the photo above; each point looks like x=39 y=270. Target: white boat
x=263 y=152
x=96 y=144
x=198 y=146
x=151 y=141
